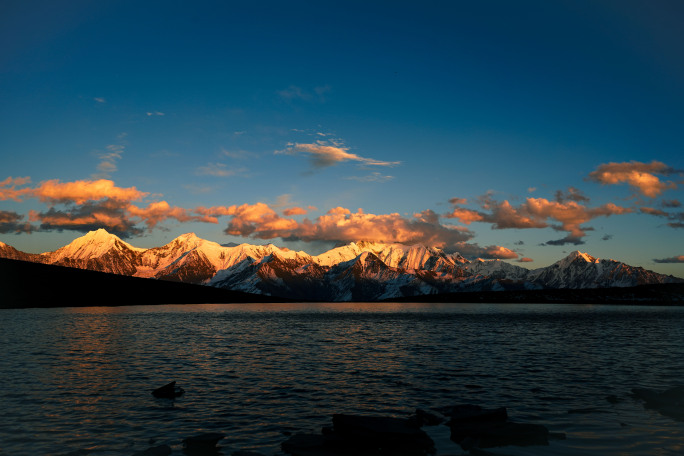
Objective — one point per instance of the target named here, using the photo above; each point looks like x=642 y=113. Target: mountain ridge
x=358 y=271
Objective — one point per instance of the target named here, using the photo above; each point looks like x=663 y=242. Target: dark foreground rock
x=202 y=443
x=363 y=435
x=474 y=427
x=161 y=450
x=168 y=391
x=669 y=403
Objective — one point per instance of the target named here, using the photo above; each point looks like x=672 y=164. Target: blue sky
x=519 y=130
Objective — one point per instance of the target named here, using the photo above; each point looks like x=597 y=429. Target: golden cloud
x=641 y=176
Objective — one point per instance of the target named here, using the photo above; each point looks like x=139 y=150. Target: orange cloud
x=641 y=176
x=490 y=252
x=295 y=211
x=258 y=220
x=160 y=211
x=538 y=213
x=109 y=214
x=341 y=225
x=9 y=191
x=79 y=192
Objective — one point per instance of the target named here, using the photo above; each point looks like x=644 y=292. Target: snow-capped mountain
x=359 y=271
x=580 y=270
x=496 y=269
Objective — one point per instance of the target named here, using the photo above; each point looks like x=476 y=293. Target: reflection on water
x=80 y=378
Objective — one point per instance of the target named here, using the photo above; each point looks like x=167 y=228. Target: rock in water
x=495 y=434
x=169 y=391
x=161 y=450
x=203 y=442
x=363 y=435
x=429 y=417
x=370 y=432
x=468 y=413
x=669 y=402
x=475 y=427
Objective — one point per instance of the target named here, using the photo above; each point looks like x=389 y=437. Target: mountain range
x=359 y=271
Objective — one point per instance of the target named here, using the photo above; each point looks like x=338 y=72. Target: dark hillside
x=26 y=284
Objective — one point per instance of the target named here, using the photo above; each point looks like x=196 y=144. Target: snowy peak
x=408 y=257
x=92 y=245
x=576 y=258
x=582 y=256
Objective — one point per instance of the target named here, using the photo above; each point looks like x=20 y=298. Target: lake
x=78 y=380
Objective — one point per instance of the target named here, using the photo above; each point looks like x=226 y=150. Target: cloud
x=373 y=177
x=79 y=192
x=676 y=219
x=108 y=214
x=219 y=170
x=92 y=204
x=294 y=92
x=236 y=154
x=323 y=154
x=572 y=194
x=342 y=225
x=537 y=213
x=676 y=259
x=525 y=260
x=295 y=211
x=257 y=220
x=9 y=190
x=86 y=205
x=116 y=216
x=473 y=250
x=155 y=113
x=10 y=222
x=108 y=160
x=159 y=211
x=100 y=100
x=641 y=176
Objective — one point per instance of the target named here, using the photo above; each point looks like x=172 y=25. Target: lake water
x=78 y=380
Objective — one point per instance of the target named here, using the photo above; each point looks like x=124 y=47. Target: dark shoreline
x=25 y=285
x=668 y=294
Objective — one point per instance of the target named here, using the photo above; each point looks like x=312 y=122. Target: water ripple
x=80 y=379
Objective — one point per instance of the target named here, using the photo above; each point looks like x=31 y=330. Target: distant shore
x=652 y=295
x=26 y=284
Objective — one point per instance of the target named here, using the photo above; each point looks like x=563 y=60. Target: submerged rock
x=161 y=450
x=382 y=432
x=468 y=413
x=168 y=391
x=203 y=442
x=363 y=435
x=668 y=403
x=473 y=427
x=496 y=434
x=429 y=417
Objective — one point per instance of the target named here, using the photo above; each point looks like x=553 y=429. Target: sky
x=514 y=130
